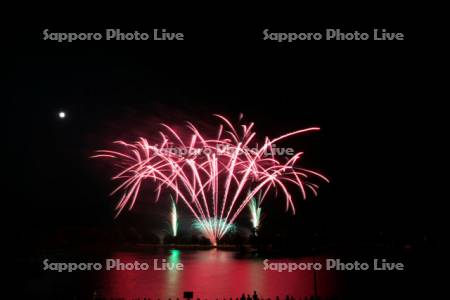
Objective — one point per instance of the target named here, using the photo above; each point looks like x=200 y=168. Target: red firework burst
x=215 y=177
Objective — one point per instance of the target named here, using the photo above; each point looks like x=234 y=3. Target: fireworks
x=174 y=219
x=255 y=213
x=203 y=225
x=210 y=173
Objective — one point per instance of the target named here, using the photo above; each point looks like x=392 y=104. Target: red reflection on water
x=211 y=274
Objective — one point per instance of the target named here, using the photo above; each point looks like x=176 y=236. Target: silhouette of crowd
x=254 y=296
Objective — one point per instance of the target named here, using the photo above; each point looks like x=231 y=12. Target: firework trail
x=174 y=219
x=255 y=213
x=210 y=174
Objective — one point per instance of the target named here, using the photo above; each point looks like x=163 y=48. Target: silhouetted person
x=255 y=296
x=248 y=297
x=243 y=297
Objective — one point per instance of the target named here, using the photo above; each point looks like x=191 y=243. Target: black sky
x=377 y=104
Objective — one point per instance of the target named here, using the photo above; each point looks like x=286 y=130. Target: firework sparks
x=174 y=219
x=209 y=174
x=255 y=213
x=203 y=225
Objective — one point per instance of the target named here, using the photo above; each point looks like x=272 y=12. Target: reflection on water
x=172 y=276
x=210 y=274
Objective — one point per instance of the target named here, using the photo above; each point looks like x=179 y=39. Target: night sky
x=376 y=103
